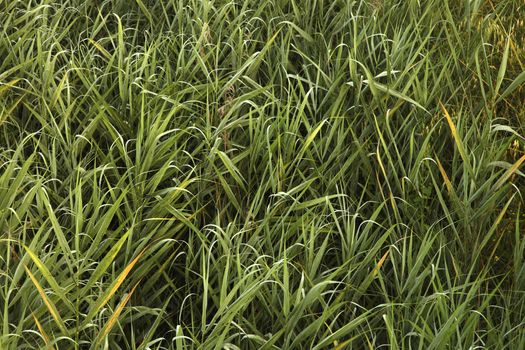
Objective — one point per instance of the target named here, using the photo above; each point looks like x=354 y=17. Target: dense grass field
x=263 y=174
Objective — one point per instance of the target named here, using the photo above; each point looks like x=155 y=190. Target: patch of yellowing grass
x=113 y=319
x=50 y=306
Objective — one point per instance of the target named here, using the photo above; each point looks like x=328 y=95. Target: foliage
x=285 y=174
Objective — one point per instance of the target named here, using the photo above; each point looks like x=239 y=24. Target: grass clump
x=262 y=174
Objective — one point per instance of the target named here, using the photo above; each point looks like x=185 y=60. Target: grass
x=262 y=174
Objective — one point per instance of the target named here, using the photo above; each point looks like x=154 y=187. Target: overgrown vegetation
x=283 y=174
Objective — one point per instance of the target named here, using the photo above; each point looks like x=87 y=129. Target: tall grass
x=262 y=174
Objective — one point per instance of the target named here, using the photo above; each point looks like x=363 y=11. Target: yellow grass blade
x=121 y=278
x=113 y=289
x=50 y=306
x=380 y=263
x=8 y=85
x=457 y=139
x=111 y=322
x=100 y=48
x=450 y=189
x=41 y=330
x=449 y=121
x=48 y=276
x=510 y=171
x=342 y=345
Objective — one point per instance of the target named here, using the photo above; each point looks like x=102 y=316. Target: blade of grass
x=50 y=305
